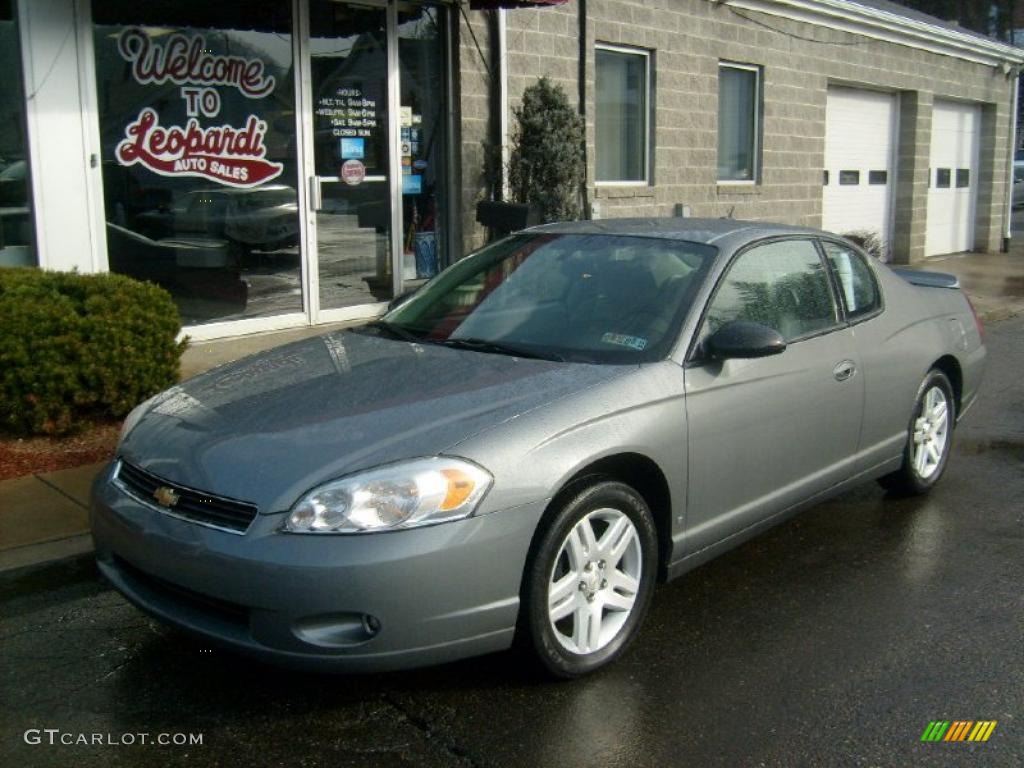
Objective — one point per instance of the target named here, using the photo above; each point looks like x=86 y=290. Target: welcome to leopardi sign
x=227 y=154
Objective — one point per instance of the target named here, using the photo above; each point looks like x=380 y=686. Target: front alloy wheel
x=594 y=581
x=590 y=579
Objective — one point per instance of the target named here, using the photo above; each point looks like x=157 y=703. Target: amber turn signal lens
x=460 y=485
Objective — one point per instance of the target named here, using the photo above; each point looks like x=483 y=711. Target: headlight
x=405 y=495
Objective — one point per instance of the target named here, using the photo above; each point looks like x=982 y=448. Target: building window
x=878 y=177
x=16 y=228
x=623 y=115
x=963 y=177
x=849 y=178
x=942 y=178
x=196 y=117
x=739 y=122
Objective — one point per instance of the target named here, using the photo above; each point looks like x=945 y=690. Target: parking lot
x=832 y=640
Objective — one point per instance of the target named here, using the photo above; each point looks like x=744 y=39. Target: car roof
x=727 y=234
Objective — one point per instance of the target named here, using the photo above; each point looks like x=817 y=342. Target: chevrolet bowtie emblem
x=165 y=497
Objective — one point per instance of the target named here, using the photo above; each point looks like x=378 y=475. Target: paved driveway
x=832 y=640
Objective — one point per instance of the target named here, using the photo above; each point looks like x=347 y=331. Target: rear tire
x=929 y=438
x=589 y=579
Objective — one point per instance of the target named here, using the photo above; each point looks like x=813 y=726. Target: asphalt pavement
x=832 y=640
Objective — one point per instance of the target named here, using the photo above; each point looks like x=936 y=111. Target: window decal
x=234 y=156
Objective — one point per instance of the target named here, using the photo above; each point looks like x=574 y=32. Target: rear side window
x=782 y=284
x=856 y=280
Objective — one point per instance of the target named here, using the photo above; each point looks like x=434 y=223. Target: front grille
x=228 y=611
x=190 y=504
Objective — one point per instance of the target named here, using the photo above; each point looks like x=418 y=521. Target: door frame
x=305 y=148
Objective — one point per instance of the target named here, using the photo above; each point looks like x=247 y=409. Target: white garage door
x=860 y=128
x=953 y=185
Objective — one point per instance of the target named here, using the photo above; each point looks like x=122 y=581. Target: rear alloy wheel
x=591 y=578
x=929 y=440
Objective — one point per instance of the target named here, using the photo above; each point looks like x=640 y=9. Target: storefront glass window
x=16 y=233
x=421 y=59
x=197 y=118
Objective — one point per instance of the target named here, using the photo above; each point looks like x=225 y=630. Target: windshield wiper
x=396 y=331
x=501 y=348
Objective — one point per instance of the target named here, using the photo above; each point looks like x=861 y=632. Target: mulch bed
x=28 y=456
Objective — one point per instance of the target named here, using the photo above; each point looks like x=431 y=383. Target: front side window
x=587 y=298
x=738 y=122
x=782 y=284
x=856 y=281
x=16 y=230
x=622 y=112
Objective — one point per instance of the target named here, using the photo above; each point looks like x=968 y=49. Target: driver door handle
x=844 y=370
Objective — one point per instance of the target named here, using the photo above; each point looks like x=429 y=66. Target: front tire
x=929 y=438
x=590 y=579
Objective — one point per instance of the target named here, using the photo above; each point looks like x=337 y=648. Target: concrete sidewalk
x=44 y=517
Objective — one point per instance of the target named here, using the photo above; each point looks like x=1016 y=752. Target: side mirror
x=401 y=298
x=741 y=339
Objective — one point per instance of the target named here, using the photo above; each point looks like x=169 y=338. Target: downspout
x=503 y=136
x=581 y=75
x=1008 y=235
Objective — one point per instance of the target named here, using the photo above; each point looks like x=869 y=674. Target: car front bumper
x=363 y=602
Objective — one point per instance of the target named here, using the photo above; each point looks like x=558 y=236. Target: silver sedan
x=521 y=449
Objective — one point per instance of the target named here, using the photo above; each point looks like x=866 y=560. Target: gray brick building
x=802 y=55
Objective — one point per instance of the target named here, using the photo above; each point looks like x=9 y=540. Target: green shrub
x=80 y=348
x=870 y=242
x=546 y=165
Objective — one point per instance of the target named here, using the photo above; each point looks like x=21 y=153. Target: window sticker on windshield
x=633 y=342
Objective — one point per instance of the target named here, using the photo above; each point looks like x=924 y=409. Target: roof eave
x=891 y=27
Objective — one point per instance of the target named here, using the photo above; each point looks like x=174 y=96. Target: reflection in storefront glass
x=16 y=235
x=197 y=120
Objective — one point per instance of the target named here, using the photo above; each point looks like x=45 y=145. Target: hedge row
x=75 y=348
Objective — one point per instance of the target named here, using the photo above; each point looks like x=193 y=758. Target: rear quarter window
x=857 y=284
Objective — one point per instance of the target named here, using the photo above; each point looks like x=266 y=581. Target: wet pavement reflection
x=831 y=640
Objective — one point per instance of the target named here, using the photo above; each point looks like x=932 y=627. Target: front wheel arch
x=636 y=470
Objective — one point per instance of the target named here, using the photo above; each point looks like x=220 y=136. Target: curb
x=46 y=553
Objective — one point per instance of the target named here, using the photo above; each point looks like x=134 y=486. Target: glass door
x=376 y=150
x=351 y=187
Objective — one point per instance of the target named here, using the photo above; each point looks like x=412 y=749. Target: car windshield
x=587 y=298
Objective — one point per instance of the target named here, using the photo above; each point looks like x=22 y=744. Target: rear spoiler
x=928 y=279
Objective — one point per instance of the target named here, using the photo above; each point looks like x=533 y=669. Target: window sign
x=196 y=106
x=233 y=155
x=412 y=184
x=353 y=149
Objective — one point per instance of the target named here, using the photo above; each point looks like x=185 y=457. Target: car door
x=766 y=433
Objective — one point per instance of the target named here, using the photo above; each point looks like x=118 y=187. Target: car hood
x=269 y=427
